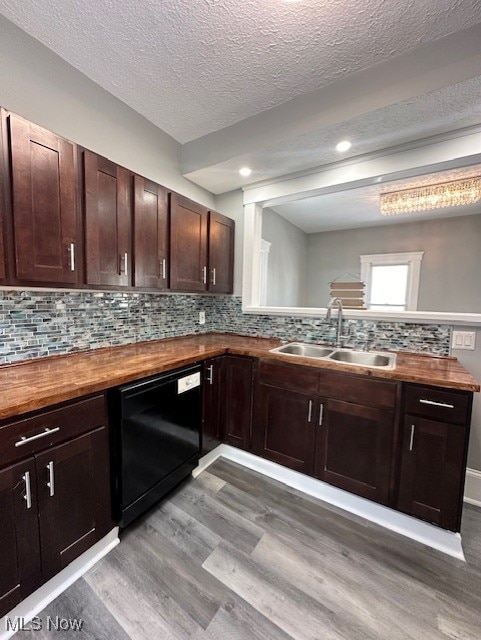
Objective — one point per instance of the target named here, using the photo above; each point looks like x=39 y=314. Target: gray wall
x=472 y=361
x=40 y=86
x=231 y=204
x=286 y=274
x=450 y=269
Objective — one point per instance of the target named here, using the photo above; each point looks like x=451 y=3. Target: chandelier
x=435 y=196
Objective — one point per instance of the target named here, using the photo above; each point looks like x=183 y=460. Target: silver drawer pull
x=437 y=404
x=28 y=490
x=321 y=414
x=71 y=251
x=164 y=270
x=204 y=275
x=411 y=441
x=213 y=276
x=51 y=478
x=24 y=440
x=210 y=375
x=309 y=411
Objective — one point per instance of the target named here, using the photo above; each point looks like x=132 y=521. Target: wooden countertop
x=36 y=384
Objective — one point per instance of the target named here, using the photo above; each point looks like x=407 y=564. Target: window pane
x=389 y=285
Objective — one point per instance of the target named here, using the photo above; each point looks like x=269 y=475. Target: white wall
x=39 y=85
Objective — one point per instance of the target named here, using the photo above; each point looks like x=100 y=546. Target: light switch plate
x=465 y=340
x=201 y=317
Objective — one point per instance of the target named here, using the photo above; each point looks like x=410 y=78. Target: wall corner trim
x=472 y=488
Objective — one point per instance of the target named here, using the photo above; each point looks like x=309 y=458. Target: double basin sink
x=346 y=356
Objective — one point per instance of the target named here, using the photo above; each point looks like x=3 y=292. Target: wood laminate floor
x=233 y=555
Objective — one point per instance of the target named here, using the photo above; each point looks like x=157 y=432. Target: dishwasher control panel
x=188 y=382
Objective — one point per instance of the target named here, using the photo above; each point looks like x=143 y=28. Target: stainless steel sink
x=365 y=358
x=346 y=356
x=304 y=350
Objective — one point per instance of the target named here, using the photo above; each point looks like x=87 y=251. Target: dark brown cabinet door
x=221 y=253
x=3 y=203
x=354 y=448
x=284 y=427
x=151 y=235
x=45 y=220
x=73 y=499
x=19 y=540
x=2 y=250
x=432 y=471
x=188 y=245
x=212 y=431
x=237 y=399
x=108 y=221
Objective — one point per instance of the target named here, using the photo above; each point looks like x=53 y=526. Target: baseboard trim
x=445 y=541
x=37 y=601
x=472 y=488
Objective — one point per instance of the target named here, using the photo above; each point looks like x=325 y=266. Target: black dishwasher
x=156 y=428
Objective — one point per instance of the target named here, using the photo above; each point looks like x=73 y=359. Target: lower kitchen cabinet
x=227 y=416
x=433 y=454
x=20 y=572
x=354 y=448
x=432 y=471
x=284 y=428
x=73 y=499
x=55 y=503
x=212 y=431
x=237 y=400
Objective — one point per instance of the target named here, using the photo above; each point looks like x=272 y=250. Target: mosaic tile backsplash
x=34 y=324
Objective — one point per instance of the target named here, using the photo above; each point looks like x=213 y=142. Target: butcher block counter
x=32 y=385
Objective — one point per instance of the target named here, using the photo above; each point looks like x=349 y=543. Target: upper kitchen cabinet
x=45 y=219
x=151 y=235
x=107 y=202
x=188 y=244
x=221 y=253
x=202 y=248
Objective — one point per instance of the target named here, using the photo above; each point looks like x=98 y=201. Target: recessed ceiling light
x=245 y=172
x=344 y=145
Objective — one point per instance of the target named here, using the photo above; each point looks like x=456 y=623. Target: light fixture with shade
x=436 y=196
x=245 y=172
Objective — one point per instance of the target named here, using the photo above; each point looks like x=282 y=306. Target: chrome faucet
x=338 y=302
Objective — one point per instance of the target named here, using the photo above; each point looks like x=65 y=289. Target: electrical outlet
x=201 y=317
x=464 y=340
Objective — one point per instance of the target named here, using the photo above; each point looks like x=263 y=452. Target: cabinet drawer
x=440 y=404
x=379 y=394
x=25 y=437
x=293 y=377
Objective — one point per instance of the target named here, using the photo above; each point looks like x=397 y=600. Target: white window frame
x=412 y=259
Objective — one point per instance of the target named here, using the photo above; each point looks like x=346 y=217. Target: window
x=392 y=280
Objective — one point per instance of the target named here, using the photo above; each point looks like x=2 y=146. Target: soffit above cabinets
x=274 y=83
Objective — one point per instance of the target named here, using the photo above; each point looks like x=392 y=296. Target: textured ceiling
x=194 y=67
x=448 y=109
x=354 y=208
x=198 y=68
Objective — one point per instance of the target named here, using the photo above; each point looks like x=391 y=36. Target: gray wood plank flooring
x=233 y=555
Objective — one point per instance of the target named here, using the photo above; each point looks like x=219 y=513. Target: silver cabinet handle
x=24 y=440
x=28 y=489
x=124 y=263
x=71 y=251
x=411 y=441
x=164 y=269
x=204 y=275
x=210 y=375
x=446 y=405
x=213 y=276
x=321 y=414
x=51 y=478
x=309 y=411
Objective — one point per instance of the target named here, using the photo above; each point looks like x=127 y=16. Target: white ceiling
x=355 y=208
x=204 y=71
